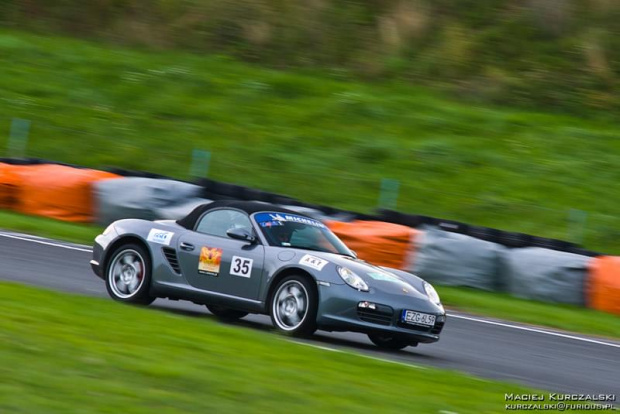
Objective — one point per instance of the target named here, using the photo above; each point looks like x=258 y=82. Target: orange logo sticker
x=210 y=259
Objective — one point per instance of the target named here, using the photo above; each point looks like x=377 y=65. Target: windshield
x=299 y=232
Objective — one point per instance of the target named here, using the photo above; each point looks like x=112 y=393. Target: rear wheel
x=391 y=342
x=225 y=313
x=294 y=306
x=128 y=275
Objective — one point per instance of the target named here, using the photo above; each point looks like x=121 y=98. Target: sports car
x=241 y=257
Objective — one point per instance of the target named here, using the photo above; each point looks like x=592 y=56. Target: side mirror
x=241 y=233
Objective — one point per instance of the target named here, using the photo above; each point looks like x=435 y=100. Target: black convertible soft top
x=189 y=221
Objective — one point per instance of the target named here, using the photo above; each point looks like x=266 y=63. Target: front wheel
x=390 y=342
x=128 y=275
x=294 y=306
x=226 y=314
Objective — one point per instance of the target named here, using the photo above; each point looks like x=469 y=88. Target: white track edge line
x=388 y=361
x=10 y=236
x=542 y=331
x=326 y=348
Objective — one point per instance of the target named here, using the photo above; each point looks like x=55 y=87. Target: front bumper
x=96 y=268
x=98 y=254
x=339 y=311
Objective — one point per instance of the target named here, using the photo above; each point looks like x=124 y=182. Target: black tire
x=226 y=314
x=128 y=275
x=293 y=306
x=386 y=341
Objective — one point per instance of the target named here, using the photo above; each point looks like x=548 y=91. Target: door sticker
x=210 y=259
x=241 y=266
x=160 y=236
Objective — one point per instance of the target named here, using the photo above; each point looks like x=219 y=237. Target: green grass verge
x=497 y=305
x=313 y=134
x=41 y=226
x=61 y=353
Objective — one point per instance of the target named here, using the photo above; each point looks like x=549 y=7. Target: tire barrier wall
x=448 y=253
x=217 y=190
x=9 y=186
x=144 y=198
x=51 y=190
x=382 y=244
x=453 y=259
x=505 y=238
x=311 y=212
x=547 y=275
x=603 y=284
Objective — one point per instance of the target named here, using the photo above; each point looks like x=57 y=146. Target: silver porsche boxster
x=240 y=257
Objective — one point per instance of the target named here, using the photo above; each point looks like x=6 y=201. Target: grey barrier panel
x=137 y=197
x=178 y=211
x=454 y=259
x=546 y=275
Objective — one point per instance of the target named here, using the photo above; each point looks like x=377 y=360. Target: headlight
x=352 y=279
x=432 y=293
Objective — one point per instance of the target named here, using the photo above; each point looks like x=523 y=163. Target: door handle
x=186 y=246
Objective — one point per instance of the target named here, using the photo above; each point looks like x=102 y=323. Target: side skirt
x=175 y=291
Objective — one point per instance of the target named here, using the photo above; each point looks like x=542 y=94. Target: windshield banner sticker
x=313 y=262
x=210 y=259
x=271 y=223
x=283 y=218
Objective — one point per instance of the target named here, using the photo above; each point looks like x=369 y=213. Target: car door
x=212 y=261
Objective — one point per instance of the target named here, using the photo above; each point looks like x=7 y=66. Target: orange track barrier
x=57 y=191
x=603 y=284
x=9 y=184
x=377 y=242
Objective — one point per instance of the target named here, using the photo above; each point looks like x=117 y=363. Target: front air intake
x=380 y=314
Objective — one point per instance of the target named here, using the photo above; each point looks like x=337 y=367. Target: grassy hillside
x=62 y=353
x=554 y=54
x=312 y=135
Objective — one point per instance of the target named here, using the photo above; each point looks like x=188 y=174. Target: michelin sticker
x=282 y=218
x=160 y=236
x=313 y=262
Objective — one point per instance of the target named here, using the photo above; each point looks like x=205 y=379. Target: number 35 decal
x=241 y=266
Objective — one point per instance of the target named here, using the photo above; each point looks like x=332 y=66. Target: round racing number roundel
x=241 y=266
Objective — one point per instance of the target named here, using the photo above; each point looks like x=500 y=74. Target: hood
x=378 y=278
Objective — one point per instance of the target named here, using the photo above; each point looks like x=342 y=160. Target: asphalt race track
x=554 y=361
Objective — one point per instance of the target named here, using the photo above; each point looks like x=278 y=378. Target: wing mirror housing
x=241 y=233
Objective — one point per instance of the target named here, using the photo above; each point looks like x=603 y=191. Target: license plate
x=417 y=318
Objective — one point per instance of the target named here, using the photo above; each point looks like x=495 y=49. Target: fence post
x=200 y=163
x=388 y=197
x=18 y=137
x=577 y=225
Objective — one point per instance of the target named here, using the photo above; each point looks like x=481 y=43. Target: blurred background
x=499 y=113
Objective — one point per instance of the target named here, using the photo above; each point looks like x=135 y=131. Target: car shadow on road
x=340 y=341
